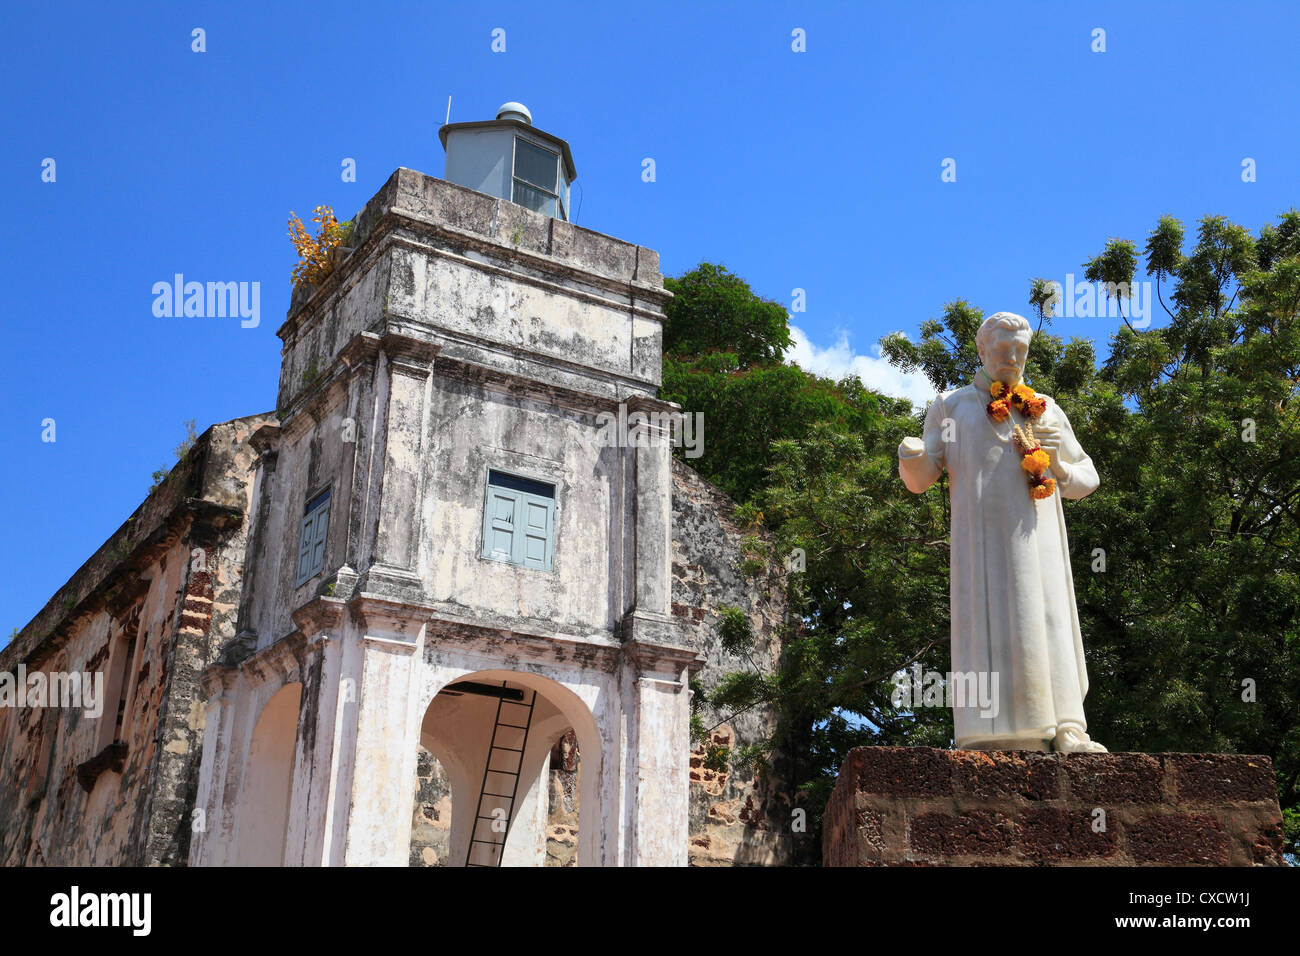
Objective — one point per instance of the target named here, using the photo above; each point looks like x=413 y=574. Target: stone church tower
x=462 y=528
x=437 y=550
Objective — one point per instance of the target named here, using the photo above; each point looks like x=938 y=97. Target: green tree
x=749 y=408
x=713 y=310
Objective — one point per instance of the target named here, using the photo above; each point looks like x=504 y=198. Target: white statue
x=1011 y=456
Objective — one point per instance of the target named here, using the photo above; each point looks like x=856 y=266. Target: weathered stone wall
x=918 y=806
x=558 y=300
x=77 y=792
x=462 y=333
x=736 y=818
x=431 y=828
x=563 y=818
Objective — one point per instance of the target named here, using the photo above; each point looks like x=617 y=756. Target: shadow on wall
x=268 y=781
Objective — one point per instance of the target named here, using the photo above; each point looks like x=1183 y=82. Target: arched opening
x=268 y=781
x=499 y=782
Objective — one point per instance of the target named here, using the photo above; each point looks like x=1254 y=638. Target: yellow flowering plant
x=315 y=253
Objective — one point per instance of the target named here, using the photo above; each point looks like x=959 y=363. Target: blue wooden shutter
x=318 y=538
x=538 y=517
x=311 y=539
x=519 y=522
x=499 y=525
x=304 y=548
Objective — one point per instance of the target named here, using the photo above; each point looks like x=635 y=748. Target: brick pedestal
x=917 y=806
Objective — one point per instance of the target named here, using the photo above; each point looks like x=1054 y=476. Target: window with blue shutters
x=311 y=542
x=519 y=521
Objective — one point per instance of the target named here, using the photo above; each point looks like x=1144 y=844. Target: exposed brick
x=978 y=833
x=1178 y=838
x=871 y=829
x=902 y=771
x=961 y=808
x=1055 y=834
x=1267 y=845
x=1109 y=779
x=984 y=773
x=1215 y=778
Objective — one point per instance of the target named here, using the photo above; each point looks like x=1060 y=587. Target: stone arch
x=456 y=729
x=267 y=785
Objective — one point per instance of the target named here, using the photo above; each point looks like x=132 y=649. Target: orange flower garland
x=1033 y=459
x=1035 y=462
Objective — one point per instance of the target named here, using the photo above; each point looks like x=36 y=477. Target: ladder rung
x=516 y=726
x=505 y=795
x=513 y=750
x=488 y=842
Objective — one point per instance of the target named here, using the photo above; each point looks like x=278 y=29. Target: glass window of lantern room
x=536 y=177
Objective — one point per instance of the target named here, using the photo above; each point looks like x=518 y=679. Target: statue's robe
x=1012 y=593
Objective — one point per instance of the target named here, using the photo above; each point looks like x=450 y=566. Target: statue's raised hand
x=1049 y=436
x=911 y=447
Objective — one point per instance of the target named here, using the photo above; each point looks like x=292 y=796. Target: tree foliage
x=715 y=311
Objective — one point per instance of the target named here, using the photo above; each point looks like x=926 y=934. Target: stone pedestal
x=918 y=806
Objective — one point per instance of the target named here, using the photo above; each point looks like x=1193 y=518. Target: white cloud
x=838 y=360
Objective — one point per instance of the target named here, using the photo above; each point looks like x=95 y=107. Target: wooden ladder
x=495 y=808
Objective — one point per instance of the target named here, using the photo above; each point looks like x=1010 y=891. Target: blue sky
x=817 y=170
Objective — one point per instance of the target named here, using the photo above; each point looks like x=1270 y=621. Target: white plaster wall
x=489 y=305
x=268 y=781
x=309 y=460
x=474 y=430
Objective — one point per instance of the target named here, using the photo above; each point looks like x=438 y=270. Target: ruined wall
x=144 y=612
x=736 y=818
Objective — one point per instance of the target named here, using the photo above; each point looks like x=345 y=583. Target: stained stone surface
x=919 y=806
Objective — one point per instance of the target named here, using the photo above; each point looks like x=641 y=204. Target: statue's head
x=1003 y=344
